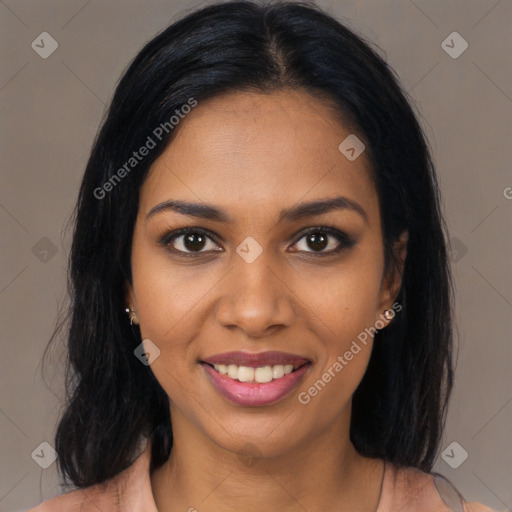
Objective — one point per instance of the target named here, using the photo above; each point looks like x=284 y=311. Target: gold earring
x=133 y=315
x=389 y=314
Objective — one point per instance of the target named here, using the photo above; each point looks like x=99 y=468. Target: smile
x=260 y=374
x=255 y=379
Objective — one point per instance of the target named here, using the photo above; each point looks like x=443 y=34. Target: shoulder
x=130 y=487
x=91 y=498
x=412 y=490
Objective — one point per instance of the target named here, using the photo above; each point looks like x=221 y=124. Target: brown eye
x=323 y=241
x=194 y=241
x=188 y=241
x=317 y=241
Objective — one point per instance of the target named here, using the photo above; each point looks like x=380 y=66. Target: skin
x=253 y=155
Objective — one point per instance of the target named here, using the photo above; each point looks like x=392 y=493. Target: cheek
x=344 y=299
x=342 y=308
x=168 y=295
x=345 y=317
x=169 y=312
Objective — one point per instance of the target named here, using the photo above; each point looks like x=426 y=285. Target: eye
x=320 y=241
x=324 y=241
x=189 y=241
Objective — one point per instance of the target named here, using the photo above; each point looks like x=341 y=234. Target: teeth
x=261 y=374
x=245 y=374
x=277 y=371
x=232 y=371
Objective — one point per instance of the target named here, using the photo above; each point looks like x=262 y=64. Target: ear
x=129 y=295
x=392 y=281
x=131 y=306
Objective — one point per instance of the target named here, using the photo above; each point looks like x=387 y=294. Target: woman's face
x=250 y=279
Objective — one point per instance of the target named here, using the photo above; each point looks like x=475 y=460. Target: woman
x=261 y=315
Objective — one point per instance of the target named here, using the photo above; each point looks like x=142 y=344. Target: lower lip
x=253 y=393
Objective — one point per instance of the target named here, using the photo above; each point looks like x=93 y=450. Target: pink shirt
x=404 y=490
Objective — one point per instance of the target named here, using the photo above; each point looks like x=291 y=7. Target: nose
x=255 y=299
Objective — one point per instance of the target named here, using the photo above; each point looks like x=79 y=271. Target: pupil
x=319 y=240
x=192 y=244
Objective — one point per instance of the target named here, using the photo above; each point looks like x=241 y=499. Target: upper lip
x=256 y=360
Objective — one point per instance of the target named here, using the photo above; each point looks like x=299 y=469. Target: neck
x=325 y=473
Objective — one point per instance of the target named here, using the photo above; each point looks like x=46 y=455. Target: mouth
x=260 y=367
x=255 y=379
x=259 y=374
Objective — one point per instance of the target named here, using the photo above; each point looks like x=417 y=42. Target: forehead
x=250 y=151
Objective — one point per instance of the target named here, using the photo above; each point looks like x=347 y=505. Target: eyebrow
x=302 y=210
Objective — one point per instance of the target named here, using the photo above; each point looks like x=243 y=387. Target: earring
x=133 y=315
x=389 y=314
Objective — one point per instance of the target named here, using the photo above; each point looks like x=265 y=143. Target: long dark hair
x=113 y=401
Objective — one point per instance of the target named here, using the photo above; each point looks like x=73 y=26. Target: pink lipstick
x=255 y=379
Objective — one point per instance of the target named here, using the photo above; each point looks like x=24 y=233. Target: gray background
x=51 y=109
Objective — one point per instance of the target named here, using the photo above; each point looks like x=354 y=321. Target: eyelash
x=345 y=241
